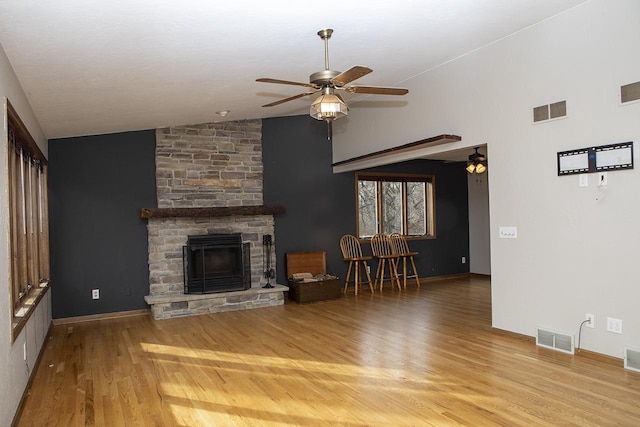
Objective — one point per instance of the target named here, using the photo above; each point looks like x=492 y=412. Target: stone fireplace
x=208 y=181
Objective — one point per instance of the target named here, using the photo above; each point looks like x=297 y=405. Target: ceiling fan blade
x=286 y=82
x=291 y=98
x=350 y=75
x=377 y=90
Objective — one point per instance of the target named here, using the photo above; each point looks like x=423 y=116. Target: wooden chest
x=314 y=263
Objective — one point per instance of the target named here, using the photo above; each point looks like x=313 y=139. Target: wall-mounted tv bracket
x=596 y=159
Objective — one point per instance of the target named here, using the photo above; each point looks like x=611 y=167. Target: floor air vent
x=554 y=340
x=632 y=359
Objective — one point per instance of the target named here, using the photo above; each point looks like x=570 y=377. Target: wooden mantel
x=147 y=213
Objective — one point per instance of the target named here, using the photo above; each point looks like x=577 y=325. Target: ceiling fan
x=330 y=105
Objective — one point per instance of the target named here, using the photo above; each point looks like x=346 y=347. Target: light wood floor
x=420 y=357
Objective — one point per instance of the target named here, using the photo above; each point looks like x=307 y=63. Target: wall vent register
x=555 y=340
x=632 y=359
x=630 y=92
x=550 y=111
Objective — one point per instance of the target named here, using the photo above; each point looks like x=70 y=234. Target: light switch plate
x=508 y=232
x=583 y=180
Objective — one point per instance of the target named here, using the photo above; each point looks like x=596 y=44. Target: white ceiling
x=102 y=66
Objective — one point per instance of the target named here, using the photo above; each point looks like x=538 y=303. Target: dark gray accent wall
x=98 y=241
x=321 y=205
x=297 y=173
x=98 y=183
x=443 y=255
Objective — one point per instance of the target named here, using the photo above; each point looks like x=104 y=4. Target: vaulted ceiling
x=97 y=66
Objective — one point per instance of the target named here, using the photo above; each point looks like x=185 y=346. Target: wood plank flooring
x=420 y=357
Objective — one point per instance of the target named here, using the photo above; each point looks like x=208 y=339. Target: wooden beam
x=436 y=140
x=147 y=213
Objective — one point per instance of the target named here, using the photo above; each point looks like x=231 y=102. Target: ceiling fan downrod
x=326 y=35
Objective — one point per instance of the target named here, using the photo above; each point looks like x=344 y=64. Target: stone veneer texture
x=209 y=165
x=227 y=301
x=206 y=165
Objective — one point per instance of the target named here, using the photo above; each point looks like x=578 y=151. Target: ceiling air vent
x=550 y=111
x=554 y=340
x=630 y=92
x=632 y=359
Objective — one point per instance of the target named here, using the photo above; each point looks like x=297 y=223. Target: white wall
x=14 y=371
x=577 y=248
x=479 y=227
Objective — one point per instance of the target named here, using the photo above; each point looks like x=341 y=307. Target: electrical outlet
x=508 y=232
x=95 y=293
x=464 y=259
x=591 y=320
x=614 y=325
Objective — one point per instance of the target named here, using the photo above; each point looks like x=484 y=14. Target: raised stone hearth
x=208 y=181
x=166 y=306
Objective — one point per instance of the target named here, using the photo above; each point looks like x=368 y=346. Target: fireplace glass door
x=215 y=263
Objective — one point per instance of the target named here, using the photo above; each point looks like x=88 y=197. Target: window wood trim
x=430 y=200
x=23 y=133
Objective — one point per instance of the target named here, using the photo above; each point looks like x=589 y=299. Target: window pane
x=392 y=207
x=367 y=208
x=416 y=220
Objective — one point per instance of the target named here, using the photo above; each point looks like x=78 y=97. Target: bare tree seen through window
x=392 y=207
x=395 y=203
x=367 y=208
x=416 y=208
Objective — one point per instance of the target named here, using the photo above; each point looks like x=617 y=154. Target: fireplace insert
x=216 y=263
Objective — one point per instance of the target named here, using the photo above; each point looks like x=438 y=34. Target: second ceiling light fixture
x=477 y=162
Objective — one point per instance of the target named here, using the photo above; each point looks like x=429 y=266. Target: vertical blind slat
x=29 y=220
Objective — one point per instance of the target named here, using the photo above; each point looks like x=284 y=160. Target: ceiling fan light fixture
x=328 y=106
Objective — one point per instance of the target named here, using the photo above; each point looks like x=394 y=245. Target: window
x=395 y=203
x=29 y=225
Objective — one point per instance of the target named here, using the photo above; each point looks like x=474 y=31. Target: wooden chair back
x=350 y=247
x=381 y=245
x=399 y=244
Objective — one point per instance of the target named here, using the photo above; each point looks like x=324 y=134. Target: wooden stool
x=352 y=252
x=381 y=249
x=400 y=248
